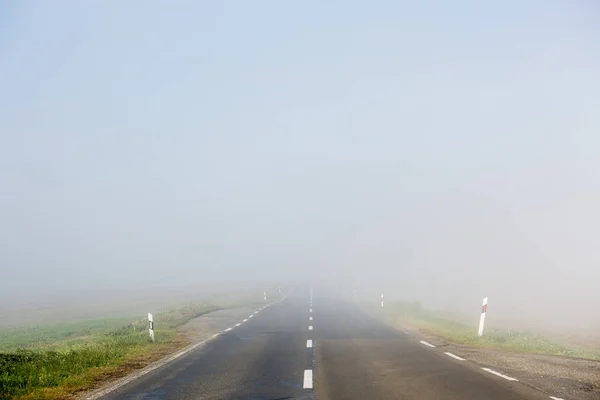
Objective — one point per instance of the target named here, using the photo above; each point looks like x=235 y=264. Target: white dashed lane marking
x=310 y=310
x=310 y=318
x=245 y=320
x=426 y=343
x=238 y=324
x=556 y=398
x=309 y=344
x=228 y=329
x=250 y=316
x=308 y=379
x=310 y=328
x=508 y=378
x=454 y=356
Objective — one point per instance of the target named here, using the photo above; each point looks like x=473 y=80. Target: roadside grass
x=429 y=321
x=77 y=356
x=48 y=335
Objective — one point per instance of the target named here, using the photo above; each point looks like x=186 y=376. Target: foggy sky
x=438 y=151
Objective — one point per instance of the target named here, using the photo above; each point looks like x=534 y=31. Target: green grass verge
x=429 y=321
x=54 y=362
x=49 y=335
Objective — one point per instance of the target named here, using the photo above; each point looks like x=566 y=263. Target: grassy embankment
x=54 y=362
x=413 y=315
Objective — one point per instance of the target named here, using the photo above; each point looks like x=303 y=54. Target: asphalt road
x=351 y=356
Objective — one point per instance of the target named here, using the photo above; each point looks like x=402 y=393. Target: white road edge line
x=310 y=327
x=454 y=356
x=309 y=344
x=556 y=398
x=426 y=343
x=228 y=329
x=308 y=379
x=238 y=324
x=245 y=320
x=508 y=378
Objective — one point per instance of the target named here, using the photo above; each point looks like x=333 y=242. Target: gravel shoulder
x=563 y=377
x=203 y=327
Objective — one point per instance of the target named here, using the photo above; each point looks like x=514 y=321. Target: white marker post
x=265 y=295
x=151 y=326
x=482 y=318
x=381 y=299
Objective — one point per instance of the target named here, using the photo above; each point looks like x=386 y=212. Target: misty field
x=53 y=362
x=429 y=321
x=59 y=334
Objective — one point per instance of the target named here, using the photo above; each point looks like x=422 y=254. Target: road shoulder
x=562 y=377
x=194 y=334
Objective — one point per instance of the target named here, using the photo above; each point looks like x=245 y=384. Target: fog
x=438 y=152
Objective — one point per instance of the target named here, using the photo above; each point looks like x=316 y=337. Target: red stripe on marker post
x=482 y=318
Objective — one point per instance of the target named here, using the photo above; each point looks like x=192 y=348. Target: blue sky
x=173 y=142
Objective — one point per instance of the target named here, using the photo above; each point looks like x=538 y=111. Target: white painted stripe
x=454 y=356
x=255 y=312
x=310 y=327
x=215 y=335
x=238 y=324
x=491 y=371
x=309 y=343
x=308 y=379
x=245 y=320
x=310 y=310
x=250 y=316
x=228 y=329
x=556 y=398
x=427 y=343
x=310 y=318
